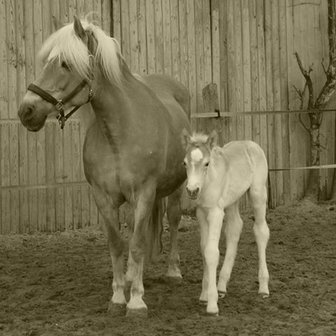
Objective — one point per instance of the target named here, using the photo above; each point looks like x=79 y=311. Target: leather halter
x=59 y=103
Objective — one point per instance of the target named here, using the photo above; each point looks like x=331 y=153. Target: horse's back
x=169 y=91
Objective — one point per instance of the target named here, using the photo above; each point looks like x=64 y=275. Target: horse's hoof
x=263 y=295
x=210 y=314
x=116 y=309
x=221 y=295
x=140 y=313
x=203 y=302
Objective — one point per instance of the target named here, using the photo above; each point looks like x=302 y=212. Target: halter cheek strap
x=59 y=103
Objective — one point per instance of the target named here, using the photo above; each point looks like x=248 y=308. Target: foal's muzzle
x=193 y=193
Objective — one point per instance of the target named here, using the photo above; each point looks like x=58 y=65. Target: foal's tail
x=155 y=230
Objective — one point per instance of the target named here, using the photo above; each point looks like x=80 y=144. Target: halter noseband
x=59 y=103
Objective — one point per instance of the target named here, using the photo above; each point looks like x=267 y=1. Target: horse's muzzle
x=193 y=193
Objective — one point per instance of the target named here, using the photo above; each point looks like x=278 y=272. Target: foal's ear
x=213 y=139
x=79 y=30
x=185 y=138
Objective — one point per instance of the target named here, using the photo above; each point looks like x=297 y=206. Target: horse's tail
x=155 y=230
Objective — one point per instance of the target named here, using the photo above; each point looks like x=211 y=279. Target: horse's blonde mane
x=65 y=45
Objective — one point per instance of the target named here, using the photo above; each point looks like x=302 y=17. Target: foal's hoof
x=174 y=280
x=116 y=309
x=221 y=295
x=140 y=313
x=210 y=314
x=263 y=295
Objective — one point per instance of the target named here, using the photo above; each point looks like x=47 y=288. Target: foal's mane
x=197 y=139
x=65 y=45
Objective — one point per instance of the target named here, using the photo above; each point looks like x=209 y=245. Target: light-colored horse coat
x=132 y=151
x=217 y=178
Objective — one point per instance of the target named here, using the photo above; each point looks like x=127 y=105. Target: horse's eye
x=206 y=164
x=65 y=66
x=184 y=163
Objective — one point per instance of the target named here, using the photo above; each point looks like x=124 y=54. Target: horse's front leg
x=204 y=230
x=211 y=254
x=138 y=247
x=174 y=214
x=110 y=212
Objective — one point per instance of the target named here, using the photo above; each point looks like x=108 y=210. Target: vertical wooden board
x=29 y=41
x=37 y=5
x=11 y=58
x=134 y=46
x=76 y=171
x=4 y=62
x=55 y=11
x=207 y=40
x=246 y=67
x=106 y=11
x=284 y=98
x=68 y=176
x=191 y=57
x=159 y=58
x=125 y=31
x=64 y=11
x=14 y=176
x=85 y=196
x=199 y=44
x=46 y=19
x=97 y=14
x=150 y=34
x=269 y=103
x=5 y=177
x=183 y=42
x=80 y=9
x=262 y=72
x=277 y=97
x=32 y=180
x=23 y=174
x=20 y=47
x=167 y=37
x=215 y=43
x=254 y=71
x=116 y=20
x=232 y=71
x=142 y=37
x=50 y=176
x=59 y=176
x=175 y=45
x=72 y=9
x=41 y=178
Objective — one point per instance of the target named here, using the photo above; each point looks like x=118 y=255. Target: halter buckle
x=59 y=105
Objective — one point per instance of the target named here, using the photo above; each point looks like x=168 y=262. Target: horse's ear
x=185 y=138
x=213 y=139
x=79 y=30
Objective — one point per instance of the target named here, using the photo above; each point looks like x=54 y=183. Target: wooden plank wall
x=41 y=176
x=244 y=46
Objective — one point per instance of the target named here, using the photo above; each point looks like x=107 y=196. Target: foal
x=217 y=179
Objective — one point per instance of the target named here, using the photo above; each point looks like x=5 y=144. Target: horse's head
x=69 y=57
x=198 y=151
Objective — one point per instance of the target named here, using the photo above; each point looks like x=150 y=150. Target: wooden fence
x=244 y=46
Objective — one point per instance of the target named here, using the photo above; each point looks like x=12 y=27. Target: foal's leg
x=110 y=212
x=258 y=197
x=211 y=254
x=174 y=216
x=233 y=230
x=202 y=220
x=143 y=209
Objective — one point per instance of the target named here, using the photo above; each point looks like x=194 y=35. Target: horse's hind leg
x=174 y=216
x=233 y=230
x=110 y=213
x=258 y=196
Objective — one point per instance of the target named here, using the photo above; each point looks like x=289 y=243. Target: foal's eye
x=184 y=163
x=65 y=66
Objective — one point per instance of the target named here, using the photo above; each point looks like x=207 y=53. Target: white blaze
x=196 y=155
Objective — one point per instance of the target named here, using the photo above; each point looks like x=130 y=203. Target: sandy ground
x=60 y=284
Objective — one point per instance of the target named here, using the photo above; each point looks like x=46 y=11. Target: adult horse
x=132 y=151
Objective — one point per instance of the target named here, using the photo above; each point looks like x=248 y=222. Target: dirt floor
x=60 y=284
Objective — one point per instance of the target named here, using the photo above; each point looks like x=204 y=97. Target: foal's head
x=198 y=149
